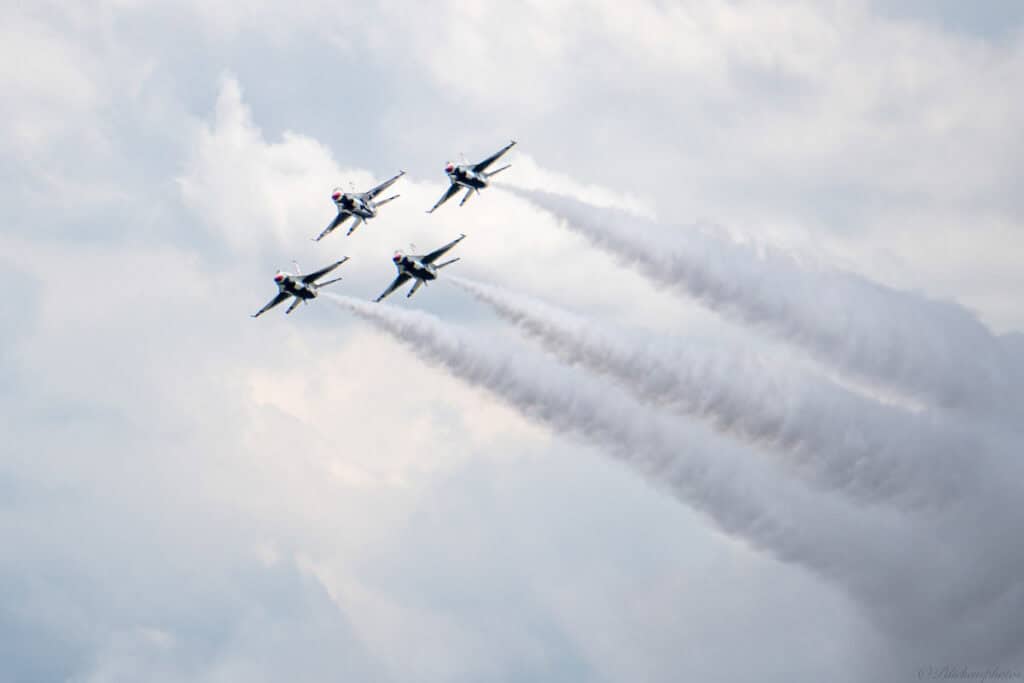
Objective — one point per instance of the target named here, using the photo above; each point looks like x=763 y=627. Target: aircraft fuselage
x=357 y=206
x=464 y=176
x=296 y=288
x=418 y=270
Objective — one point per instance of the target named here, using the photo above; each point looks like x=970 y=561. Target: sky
x=726 y=385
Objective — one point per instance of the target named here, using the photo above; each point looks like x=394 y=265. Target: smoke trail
x=876 y=558
x=934 y=351
x=711 y=482
x=834 y=437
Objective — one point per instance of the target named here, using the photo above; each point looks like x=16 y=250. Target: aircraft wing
x=281 y=296
x=449 y=193
x=482 y=166
x=316 y=275
x=438 y=253
x=383 y=186
x=338 y=220
x=399 y=281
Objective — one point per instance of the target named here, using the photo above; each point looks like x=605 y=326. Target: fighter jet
x=420 y=267
x=473 y=177
x=302 y=287
x=360 y=205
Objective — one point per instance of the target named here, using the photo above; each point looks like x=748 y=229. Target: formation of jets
x=360 y=207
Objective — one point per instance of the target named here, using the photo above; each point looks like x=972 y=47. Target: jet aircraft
x=361 y=206
x=472 y=177
x=418 y=267
x=302 y=287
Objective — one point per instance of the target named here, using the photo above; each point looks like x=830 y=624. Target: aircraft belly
x=423 y=274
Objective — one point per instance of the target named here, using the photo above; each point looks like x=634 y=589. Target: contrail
x=722 y=484
x=934 y=351
x=837 y=439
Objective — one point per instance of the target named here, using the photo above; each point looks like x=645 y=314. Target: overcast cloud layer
x=772 y=257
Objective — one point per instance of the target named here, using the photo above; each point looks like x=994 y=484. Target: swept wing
x=438 y=253
x=338 y=220
x=383 y=186
x=281 y=296
x=448 y=194
x=399 y=281
x=482 y=166
x=315 y=275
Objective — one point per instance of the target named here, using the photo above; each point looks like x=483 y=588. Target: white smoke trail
x=879 y=559
x=934 y=351
x=837 y=439
x=735 y=492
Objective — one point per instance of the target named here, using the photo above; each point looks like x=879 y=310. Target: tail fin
x=494 y=173
x=385 y=201
x=329 y=282
x=446 y=263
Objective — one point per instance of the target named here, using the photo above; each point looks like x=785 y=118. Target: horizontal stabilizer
x=447 y=263
x=494 y=173
x=355 y=224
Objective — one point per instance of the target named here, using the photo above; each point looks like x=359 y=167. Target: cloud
x=184 y=489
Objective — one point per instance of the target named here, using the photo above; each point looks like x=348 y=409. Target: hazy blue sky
x=187 y=494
